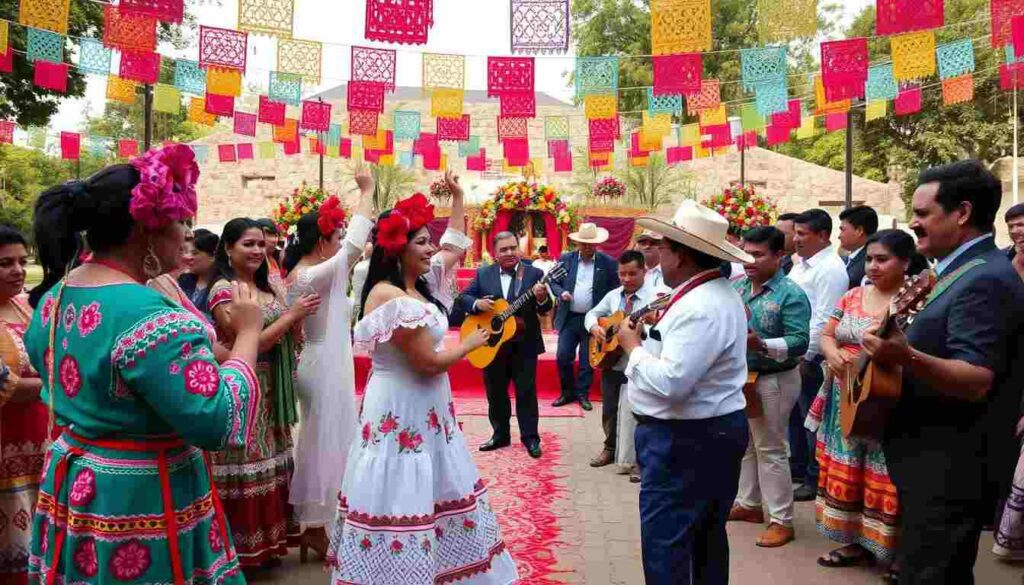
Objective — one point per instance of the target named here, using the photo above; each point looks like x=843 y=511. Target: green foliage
x=656 y=184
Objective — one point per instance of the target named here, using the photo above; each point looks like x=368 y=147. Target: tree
x=21 y=100
x=656 y=184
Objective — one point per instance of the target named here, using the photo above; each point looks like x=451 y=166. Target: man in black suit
x=856 y=225
x=591 y=274
x=787 y=225
x=950 y=443
x=516 y=362
x=1015 y=225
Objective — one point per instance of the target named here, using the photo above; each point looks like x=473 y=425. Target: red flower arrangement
x=419 y=211
x=409 y=215
x=330 y=217
x=744 y=208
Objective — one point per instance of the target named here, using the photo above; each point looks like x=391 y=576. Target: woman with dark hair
x=23 y=417
x=318 y=262
x=857 y=504
x=253 y=483
x=197 y=284
x=126 y=494
x=272 y=238
x=412 y=507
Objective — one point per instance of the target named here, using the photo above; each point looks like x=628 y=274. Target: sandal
x=837 y=560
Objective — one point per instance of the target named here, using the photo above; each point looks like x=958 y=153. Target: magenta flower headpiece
x=166 y=192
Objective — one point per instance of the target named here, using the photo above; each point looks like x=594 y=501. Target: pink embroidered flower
x=130 y=561
x=468 y=525
x=396 y=547
x=216 y=542
x=89 y=319
x=202 y=377
x=83 y=490
x=44 y=541
x=69 y=318
x=409 y=440
x=86 y=562
x=186 y=350
x=365 y=543
x=426 y=546
x=451 y=409
x=433 y=422
x=174 y=368
x=438 y=532
x=70 y=376
x=388 y=424
x=367 y=433
x=47 y=309
x=166 y=190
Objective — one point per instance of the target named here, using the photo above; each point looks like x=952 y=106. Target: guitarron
x=499 y=322
x=869 y=391
x=606 y=355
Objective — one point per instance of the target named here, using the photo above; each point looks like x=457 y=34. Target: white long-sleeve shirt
x=824 y=280
x=440 y=276
x=700 y=367
x=613 y=302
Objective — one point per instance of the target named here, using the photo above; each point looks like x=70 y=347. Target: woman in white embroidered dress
x=413 y=510
x=317 y=262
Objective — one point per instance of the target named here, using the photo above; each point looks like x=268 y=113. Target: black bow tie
x=511 y=272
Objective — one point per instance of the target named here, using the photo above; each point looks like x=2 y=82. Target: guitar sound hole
x=497 y=324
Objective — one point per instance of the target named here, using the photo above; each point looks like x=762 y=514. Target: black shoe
x=495 y=443
x=585 y=403
x=562 y=401
x=533 y=448
x=804 y=493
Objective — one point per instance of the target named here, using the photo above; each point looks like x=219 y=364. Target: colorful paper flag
x=399 y=21
x=446 y=103
x=127 y=148
x=301 y=58
x=509 y=74
x=244 y=151
x=913 y=55
x=540 y=26
x=120 y=90
x=52 y=76
x=166 y=99
x=128 y=31
x=444 y=71
x=223 y=81
x=902 y=16
x=267 y=17
x=222 y=47
x=876 y=110
x=51 y=15
x=70 y=145
x=226 y=153
x=680 y=26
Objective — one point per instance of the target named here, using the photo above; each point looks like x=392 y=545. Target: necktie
x=629 y=303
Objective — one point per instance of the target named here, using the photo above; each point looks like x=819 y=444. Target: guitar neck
x=517 y=305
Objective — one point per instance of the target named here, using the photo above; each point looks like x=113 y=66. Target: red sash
x=699 y=279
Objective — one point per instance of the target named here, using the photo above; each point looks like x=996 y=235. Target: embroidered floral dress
x=857 y=501
x=254 y=483
x=126 y=493
x=22 y=447
x=413 y=510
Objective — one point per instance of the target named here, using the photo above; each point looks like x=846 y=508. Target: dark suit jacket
x=606 y=278
x=488 y=283
x=940 y=448
x=855 y=267
x=786 y=264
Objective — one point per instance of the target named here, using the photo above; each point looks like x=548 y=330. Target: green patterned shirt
x=780 y=315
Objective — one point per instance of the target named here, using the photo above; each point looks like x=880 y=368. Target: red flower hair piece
x=417 y=209
x=393 y=232
x=330 y=217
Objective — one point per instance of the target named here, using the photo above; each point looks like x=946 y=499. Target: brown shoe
x=776 y=535
x=605 y=458
x=741 y=514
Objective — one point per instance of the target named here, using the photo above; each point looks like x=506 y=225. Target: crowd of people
x=179 y=406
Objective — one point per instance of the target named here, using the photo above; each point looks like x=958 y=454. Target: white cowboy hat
x=648 y=235
x=590 y=234
x=699 y=228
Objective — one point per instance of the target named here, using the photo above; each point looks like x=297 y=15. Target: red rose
x=417 y=209
x=392 y=233
x=330 y=217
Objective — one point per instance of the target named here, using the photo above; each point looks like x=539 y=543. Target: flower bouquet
x=523 y=196
x=744 y=208
x=303 y=200
x=439 y=190
x=609 y=188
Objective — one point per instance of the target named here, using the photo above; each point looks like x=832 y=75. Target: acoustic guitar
x=868 y=392
x=606 y=355
x=500 y=321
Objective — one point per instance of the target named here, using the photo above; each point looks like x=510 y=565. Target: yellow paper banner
x=823 y=106
x=166 y=99
x=913 y=55
x=680 y=26
x=386 y=160
x=220 y=81
x=601 y=106
x=658 y=124
x=45 y=14
x=3 y=35
x=267 y=150
x=378 y=142
x=714 y=116
x=120 y=90
x=807 y=128
x=197 y=112
x=446 y=103
x=779 y=21
x=875 y=110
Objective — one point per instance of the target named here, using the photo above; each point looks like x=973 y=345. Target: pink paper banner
x=245 y=124
x=245 y=151
x=220 y=105
x=52 y=76
x=70 y=145
x=271 y=112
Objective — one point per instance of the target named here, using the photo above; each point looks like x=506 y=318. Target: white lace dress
x=413 y=510
x=325 y=383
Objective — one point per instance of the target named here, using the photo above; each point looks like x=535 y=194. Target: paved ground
x=601 y=531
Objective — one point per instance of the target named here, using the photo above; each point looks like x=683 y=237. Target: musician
x=780 y=316
x=647 y=243
x=856 y=225
x=634 y=294
x=950 y=442
x=687 y=395
x=591 y=274
x=516 y=362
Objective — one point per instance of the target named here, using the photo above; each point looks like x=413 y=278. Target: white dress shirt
x=440 y=278
x=943 y=264
x=653 y=277
x=824 y=280
x=506 y=280
x=615 y=301
x=700 y=368
x=543 y=265
x=583 y=292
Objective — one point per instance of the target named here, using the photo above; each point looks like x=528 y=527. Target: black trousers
x=611 y=387
x=938 y=540
x=519 y=367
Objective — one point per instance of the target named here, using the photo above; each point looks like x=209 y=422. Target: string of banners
x=209 y=86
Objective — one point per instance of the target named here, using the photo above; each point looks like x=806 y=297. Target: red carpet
x=473 y=406
x=468 y=381
x=522 y=491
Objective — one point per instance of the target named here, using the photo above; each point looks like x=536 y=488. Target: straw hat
x=648 y=235
x=700 y=228
x=590 y=234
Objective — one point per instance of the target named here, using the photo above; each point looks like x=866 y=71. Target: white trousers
x=625 y=451
x=764 y=474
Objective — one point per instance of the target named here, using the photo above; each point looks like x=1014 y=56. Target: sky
x=475 y=28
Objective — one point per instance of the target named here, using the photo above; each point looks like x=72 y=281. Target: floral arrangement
x=524 y=196
x=166 y=191
x=439 y=190
x=609 y=188
x=303 y=200
x=408 y=215
x=744 y=208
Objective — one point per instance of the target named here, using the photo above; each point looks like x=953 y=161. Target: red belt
x=161 y=446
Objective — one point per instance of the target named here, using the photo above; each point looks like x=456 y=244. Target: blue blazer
x=606 y=278
x=940 y=447
x=488 y=283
